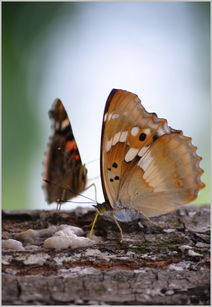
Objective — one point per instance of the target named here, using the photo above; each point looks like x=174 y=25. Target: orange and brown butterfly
x=64 y=174
x=146 y=166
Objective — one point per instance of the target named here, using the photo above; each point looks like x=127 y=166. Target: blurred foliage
x=21 y=22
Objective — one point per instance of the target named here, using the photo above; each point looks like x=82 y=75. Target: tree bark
x=152 y=266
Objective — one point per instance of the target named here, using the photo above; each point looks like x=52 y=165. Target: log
x=152 y=266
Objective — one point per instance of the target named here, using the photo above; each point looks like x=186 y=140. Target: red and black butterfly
x=64 y=174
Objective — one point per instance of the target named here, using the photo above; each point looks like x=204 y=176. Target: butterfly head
x=58 y=112
x=103 y=207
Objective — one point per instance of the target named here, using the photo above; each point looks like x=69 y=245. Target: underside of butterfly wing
x=63 y=169
x=140 y=153
x=166 y=177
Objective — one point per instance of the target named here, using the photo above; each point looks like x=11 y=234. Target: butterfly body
x=146 y=166
x=64 y=172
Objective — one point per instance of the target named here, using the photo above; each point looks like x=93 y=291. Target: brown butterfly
x=64 y=174
x=146 y=166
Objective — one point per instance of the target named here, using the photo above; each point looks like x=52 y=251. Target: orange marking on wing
x=71 y=145
x=77 y=157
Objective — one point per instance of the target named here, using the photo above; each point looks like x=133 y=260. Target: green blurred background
x=79 y=52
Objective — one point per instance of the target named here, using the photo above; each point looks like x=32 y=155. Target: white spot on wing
x=131 y=154
x=147 y=130
x=145 y=162
x=114 y=116
x=105 y=117
x=109 y=116
x=108 y=145
x=65 y=123
x=143 y=151
x=123 y=136
x=116 y=138
x=134 y=131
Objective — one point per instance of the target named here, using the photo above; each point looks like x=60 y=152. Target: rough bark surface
x=153 y=266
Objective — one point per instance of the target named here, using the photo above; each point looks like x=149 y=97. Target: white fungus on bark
x=67 y=237
x=12 y=244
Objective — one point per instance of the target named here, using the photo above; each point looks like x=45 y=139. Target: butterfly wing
x=132 y=137
x=163 y=179
x=63 y=167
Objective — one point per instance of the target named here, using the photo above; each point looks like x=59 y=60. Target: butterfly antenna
x=94 y=178
x=78 y=202
x=91 y=161
x=68 y=189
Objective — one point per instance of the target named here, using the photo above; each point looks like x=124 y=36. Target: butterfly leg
x=153 y=223
x=101 y=210
x=119 y=227
x=92 y=185
x=58 y=206
x=61 y=200
x=97 y=214
x=93 y=224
